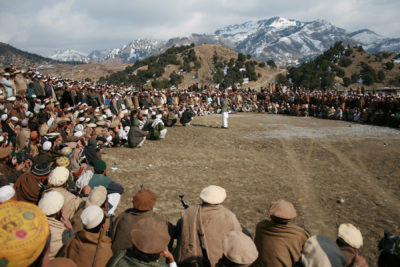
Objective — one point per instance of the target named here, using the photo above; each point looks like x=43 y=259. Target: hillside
x=82 y=71
x=345 y=66
x=11 y=55
x=186 y=65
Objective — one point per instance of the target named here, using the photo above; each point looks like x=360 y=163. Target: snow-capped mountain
x=135 y=50
x=97 y=56
x=286 y=41
x=375 y=43
x=70 y=55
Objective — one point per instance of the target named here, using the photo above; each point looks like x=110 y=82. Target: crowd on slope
x=58 y=204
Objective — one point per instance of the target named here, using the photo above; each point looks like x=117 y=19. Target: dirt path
x=262 y=158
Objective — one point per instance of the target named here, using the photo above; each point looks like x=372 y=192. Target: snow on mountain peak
x=69 y=55
x=281 y=23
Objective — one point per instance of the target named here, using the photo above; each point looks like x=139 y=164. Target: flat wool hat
x=26 y=229
x=6 y=193
x=351 y=235
x=239 y=248
x=51 y=202
x=144 y=199
x=58 y=176
x=213 y=194
x=92 y=216
x=97 y=196
x=150 y=235
x=282 y=210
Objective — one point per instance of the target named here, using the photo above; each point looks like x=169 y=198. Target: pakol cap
x=239 y=248
x=58 y=176
x=144 y=199
x=213 y=194
x=150 y=235
x=282 y=210
x=351 y=235
x=6 y=193
x=51 y=202
x=97 y=196
x=92 y=216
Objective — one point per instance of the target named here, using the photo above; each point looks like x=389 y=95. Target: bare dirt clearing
x=261 y=158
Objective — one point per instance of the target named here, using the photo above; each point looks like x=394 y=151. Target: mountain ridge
x=286 y=41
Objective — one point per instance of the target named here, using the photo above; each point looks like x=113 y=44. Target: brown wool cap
x=150 y=235
x=239 y=248
x=144 y=199
x=101 y=123
x=282 y=209
x=62 y=262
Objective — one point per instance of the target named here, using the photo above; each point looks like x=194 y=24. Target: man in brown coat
x=58 y=179
x=205 y=225
x=23 y=137
x=278 y=242
x=51 y=204
x=143 y=203
x=91 y=246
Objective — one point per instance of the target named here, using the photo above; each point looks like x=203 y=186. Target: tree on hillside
x=389 y=65
x=271 y=63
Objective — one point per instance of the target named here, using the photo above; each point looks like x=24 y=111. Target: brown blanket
x=279 y=244
x=215 y=222
x=81 y=248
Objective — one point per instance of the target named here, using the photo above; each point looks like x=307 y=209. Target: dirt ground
x=262 y=158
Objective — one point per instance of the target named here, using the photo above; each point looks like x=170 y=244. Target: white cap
x=47 y=145
x=28 y=114
x=6 y=193
x=213 y=194
x=78 y=134
x=97 y=196
x=58 y=176
x=351 y=235
x=51 y=202
x=92 y=216
x=78 y=127
x=14 y=118
x=4 y=117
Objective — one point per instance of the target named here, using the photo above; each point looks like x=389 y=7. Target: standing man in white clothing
x=224 y=111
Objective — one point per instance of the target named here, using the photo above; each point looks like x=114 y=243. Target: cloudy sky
x=85 y=25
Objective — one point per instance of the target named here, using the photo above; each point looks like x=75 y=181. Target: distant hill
x=184 y=66
x=345 y=66
x=11 y=55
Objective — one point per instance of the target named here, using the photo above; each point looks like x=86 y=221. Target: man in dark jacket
x=114 y=190
x=186 y=117
x=143 y=203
